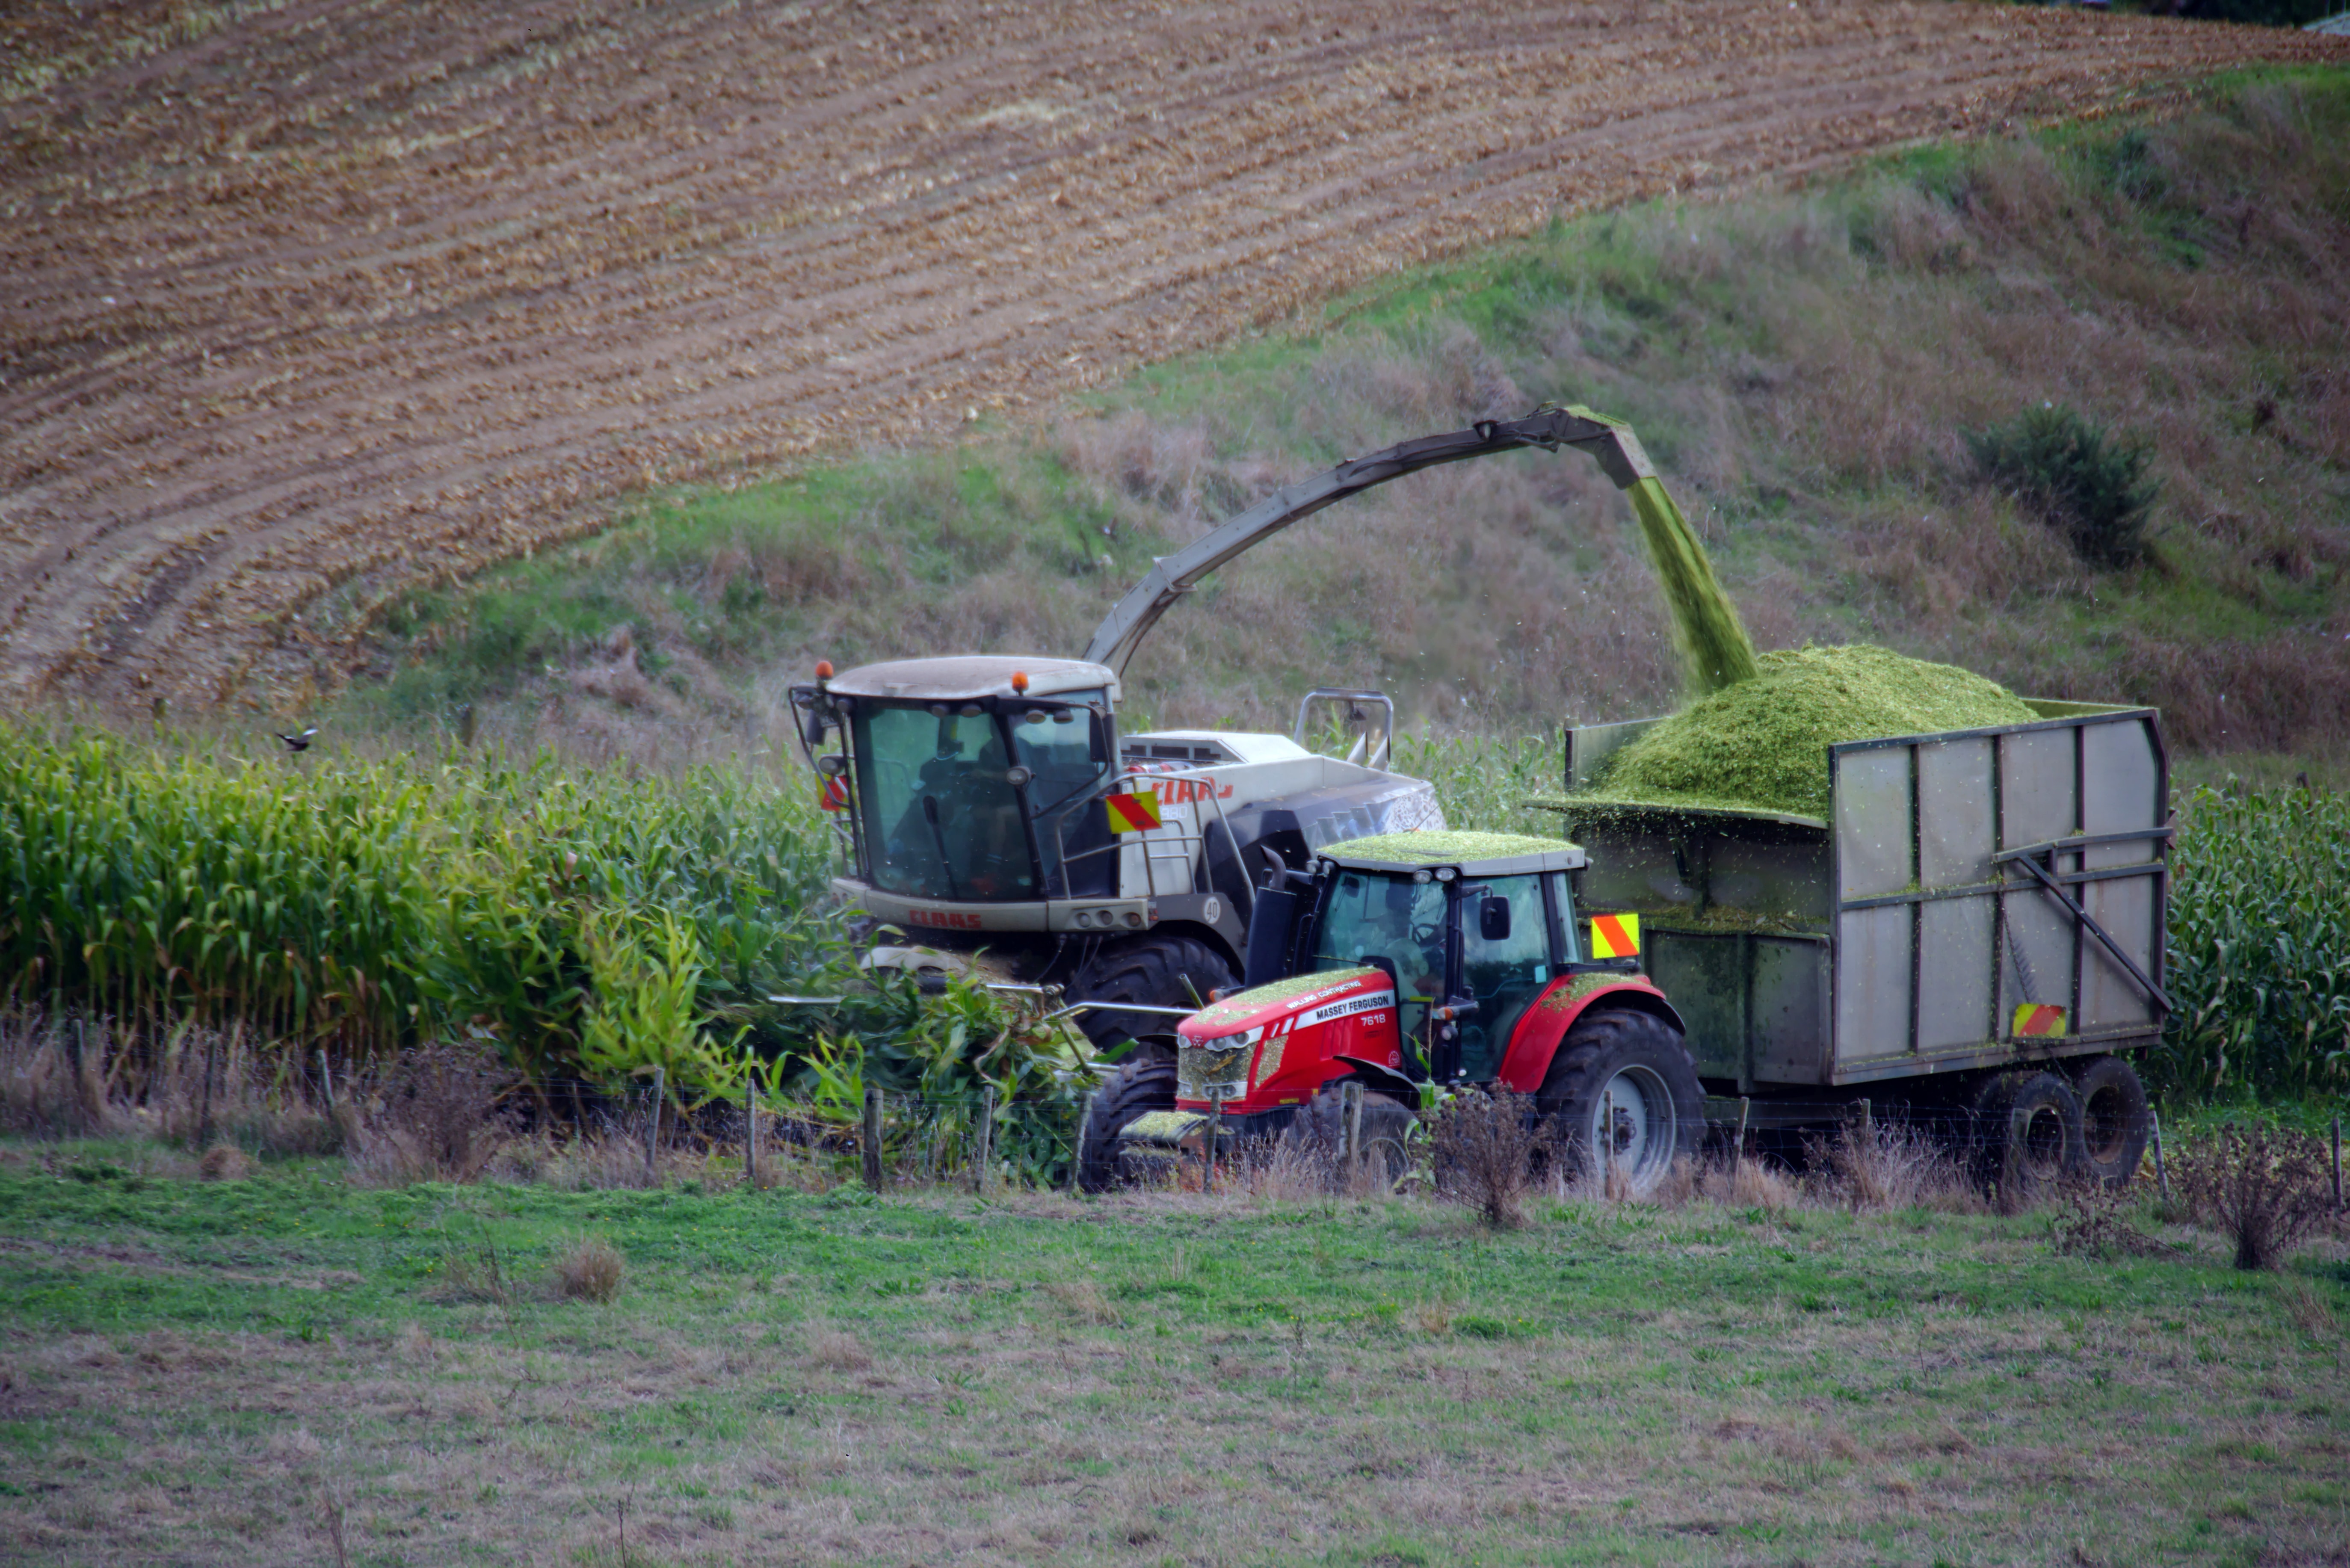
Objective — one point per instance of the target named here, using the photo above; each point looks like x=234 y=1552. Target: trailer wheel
x=1390 y=1128
x=1633 y=1067
x=1152 y=971
x=2115 y=1121
x=2029 y=1128
x=1146 y=1083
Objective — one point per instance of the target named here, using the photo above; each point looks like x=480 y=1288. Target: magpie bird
x=299 y=741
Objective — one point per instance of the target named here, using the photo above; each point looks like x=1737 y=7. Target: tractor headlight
x=1210 y=1069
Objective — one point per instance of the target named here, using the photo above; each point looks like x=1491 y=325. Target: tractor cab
x=1406 y=958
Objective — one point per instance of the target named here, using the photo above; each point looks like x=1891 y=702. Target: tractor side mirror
x=817 y=726
x=1493 y=919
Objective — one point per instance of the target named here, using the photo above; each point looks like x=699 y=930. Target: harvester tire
x=1389 y=1129
x=1143 y=1084
x=2028 y=1137
x=2115 y=1119
x=1149 y=970
x=1637 y=1065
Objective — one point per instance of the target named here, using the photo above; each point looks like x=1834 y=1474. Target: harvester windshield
x=960 y=798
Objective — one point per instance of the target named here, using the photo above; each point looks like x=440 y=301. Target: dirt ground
x=304 y=302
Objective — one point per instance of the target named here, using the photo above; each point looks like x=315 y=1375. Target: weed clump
x=2065 y=467
x=1484 y=1148
x=2263 y=1188
x=1762 y=744
x=592 y=1270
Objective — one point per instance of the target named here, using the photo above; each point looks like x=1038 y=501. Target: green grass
x=1803 y=366
x=209 y=1371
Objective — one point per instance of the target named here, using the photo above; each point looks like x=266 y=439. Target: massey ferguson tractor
x=1408 y=960
x=993 y=819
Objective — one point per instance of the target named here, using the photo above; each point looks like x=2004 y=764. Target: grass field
x=290 y=1369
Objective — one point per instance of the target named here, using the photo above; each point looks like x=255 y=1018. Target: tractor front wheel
x=1388 y=1130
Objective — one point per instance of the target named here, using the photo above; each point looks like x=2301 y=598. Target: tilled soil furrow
x=392 y=292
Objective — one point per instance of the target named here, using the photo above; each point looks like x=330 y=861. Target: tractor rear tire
x=1143 y=1084
x=2115 y=1119
x=1150 y=969
x=2028 y=1136
x=1637 y=1064
x=1390 y=1128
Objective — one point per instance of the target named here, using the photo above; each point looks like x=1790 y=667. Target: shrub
x=1873 y=1165
x=2064 y=466
x=591 y=1270
x=2263 y=1188
x=1484 y=1148
x=437 y=1115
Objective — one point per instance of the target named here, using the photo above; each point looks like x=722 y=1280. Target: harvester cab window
x=1504 y=973
x=942 y=813
x=1064 y=746
x=1389 y=917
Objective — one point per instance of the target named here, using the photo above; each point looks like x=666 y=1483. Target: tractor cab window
x=943 y=815
x=1505 y=959
x=1066 y=748
x=1390 y=919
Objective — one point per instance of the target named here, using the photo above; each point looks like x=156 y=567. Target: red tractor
x=1407 y=962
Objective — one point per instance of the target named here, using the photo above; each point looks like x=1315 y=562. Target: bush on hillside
x=2067 y=467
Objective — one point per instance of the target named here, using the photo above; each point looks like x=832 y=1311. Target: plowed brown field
x=340 y=295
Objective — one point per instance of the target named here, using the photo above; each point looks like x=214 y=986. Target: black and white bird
x=299 y=741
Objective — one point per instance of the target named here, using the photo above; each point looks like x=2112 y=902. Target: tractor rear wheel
x=1624 y=1091
x=1143 y=1084
x=2028 y=1135
x=1388 y=1131
x=2116 y=1120
x=1150 y=969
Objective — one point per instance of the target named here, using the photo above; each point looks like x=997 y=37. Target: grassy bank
x=1803 y=366
x=288 y=1369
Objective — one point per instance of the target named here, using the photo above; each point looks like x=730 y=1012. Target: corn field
x=2259 y=944
x=590 y=927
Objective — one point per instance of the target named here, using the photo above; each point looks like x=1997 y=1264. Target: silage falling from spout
x=1715 y=649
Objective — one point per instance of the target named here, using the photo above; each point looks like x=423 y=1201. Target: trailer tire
x=2028 y=1135
x=1639 y=1066
x=1146 y=1083
x=2115 y=1119
x=1389 y=1129
x=1152 y=971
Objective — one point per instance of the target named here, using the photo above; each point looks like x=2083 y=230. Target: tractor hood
x=1305 y=998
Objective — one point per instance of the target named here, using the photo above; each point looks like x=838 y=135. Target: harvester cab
x=1404 y=964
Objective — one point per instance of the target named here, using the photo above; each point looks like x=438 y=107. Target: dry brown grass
x=224 y=1162
x=837 y=1350
x=1485 y=1149
x=590 y=1270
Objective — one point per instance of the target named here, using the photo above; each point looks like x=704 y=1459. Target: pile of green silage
x=1762 y=743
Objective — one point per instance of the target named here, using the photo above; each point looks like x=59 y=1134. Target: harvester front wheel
x=1152 y=971
x=1624 y=1091
x=1143 y=1084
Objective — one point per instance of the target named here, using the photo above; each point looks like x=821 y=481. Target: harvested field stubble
x=353 y=300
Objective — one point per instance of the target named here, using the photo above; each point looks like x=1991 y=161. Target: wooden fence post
x=982 y=1145
x=1215 y=1138
x=1350 y=1130
x=204 y=1120
x=1607 y=1140
x=869 y=1142
x=1738 y=1149
x=2161 y=1172
x=652 y=1125
x=751 y=1134
x=2337 y=1164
